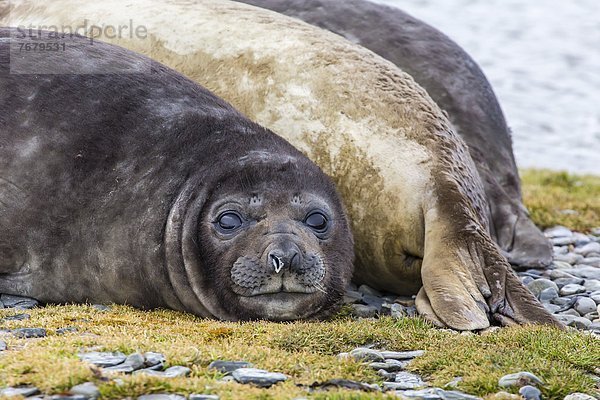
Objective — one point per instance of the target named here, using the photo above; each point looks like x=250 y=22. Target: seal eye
x=317 y=221
x=229 y=221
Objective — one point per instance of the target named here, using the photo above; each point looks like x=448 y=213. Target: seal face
x=146 y=189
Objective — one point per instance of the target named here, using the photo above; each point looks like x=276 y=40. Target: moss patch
x=559 y=198
x=305 y=351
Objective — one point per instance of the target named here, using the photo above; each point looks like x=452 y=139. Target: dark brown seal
x=457 y=84
x=144 y=188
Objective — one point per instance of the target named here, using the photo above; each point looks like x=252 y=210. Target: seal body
x=135 y=185
x=415 y=201
x=457 y=84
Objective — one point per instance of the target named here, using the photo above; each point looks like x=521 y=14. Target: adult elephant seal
x=458 y=86
x=123 y=181
x=414 y=198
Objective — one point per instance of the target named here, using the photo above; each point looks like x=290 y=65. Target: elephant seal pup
x=146 y=189
x=414 y=198
x=458 y=86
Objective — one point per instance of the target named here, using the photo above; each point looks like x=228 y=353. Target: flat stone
x=227 y=367
x=19 y=391
x=367 y=355
x=390 y=365
x=66 y=397
x=435 y=394
x=548 y=295
x=526 y=280
x=103 y=359
x=585 y=271
x=345 y=384
x=570 y=258
x=570 y=312
x=557 y=273
x=579 y=396
x=402 y=355
x=558 y=265
x=363 y=311
x=22 y=303
x=29 y=332
x=538 y=285
x=502 y=395
x=558 y=231
x=564 y=301
x=560 y=249
x=552 y=308
x=172 y=372
x=584 y=305
x=365 y=289
x=570 y=289
x=3 y=346
x=563 y=241
x=67 y=329
x=87 y=389
x=519 y=379
x=101 y=307
x=399 y=311
x=152 y=359
x=580 y=323
x=257 y=377
x=351 y=297
x=203 y=397
x=565 y=319
x=17 y=317
x=560 y=282
x=591 y=285
x=592 y=261
x=529 y=392
x=592 y=247
x=373 y=301
x=407 y=380
x=163 y=396
x=388 y=376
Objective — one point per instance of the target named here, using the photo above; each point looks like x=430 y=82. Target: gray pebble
x=29 y=332
x=163 y=396
x=584 y=305
x=402 y=355
x=571 y=289
x=87 y=389
x=560 y=250
x=595 y=296
x=570 y=258
x=538 y=285
x=66 y=397
x=548 y=295
x=558 y=231
x=557 y=273
x=17 y=317
x=227 y=367
x=570 y=312
x=560 y=282
x=526 y=280
x=203 y=397
x=519 y=379
x=563 y=241
x=101 y=307
x=579 y=396
x=257 y=377
x=172 y=372
x=22 y=303
x=132 y=363
x=585 y=271
x=351 y=297
x=407 y=380
x=363 y=311
x=103 y=359
x=398 y=311
x=564 y=319
x=19 y=391
x=529 y=392
x=152 y=359
x=558 y=265
x=68 y=329
x=580 y=323
x=373 y=301
x=436 y=394
x=592 y=247
x=389 y=376
x=564 y=301
x=591 y=261
x=367 y=355
x=591 y=285
x=552 y=308
x=390 y=365
x=364 y=289
x=3 y=346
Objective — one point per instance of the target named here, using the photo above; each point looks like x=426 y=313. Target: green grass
x=306 y=351
x=558 y=198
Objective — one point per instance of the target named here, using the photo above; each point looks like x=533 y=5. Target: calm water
x=543 y=60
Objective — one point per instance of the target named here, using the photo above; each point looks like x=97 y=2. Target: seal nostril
x=278 y=264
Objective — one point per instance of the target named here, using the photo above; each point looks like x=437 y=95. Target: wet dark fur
x=99 y=172
x=458 y=85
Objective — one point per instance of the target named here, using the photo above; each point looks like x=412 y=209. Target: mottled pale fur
x=411 y=189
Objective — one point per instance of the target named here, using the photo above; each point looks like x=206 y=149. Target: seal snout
x=286 y=254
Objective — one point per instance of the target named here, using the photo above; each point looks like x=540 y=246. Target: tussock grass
x=306 y=351
x=559 y=198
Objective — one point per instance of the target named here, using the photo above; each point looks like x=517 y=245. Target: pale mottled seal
x=146 y=189
x=414 y=198
x=458 y=86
